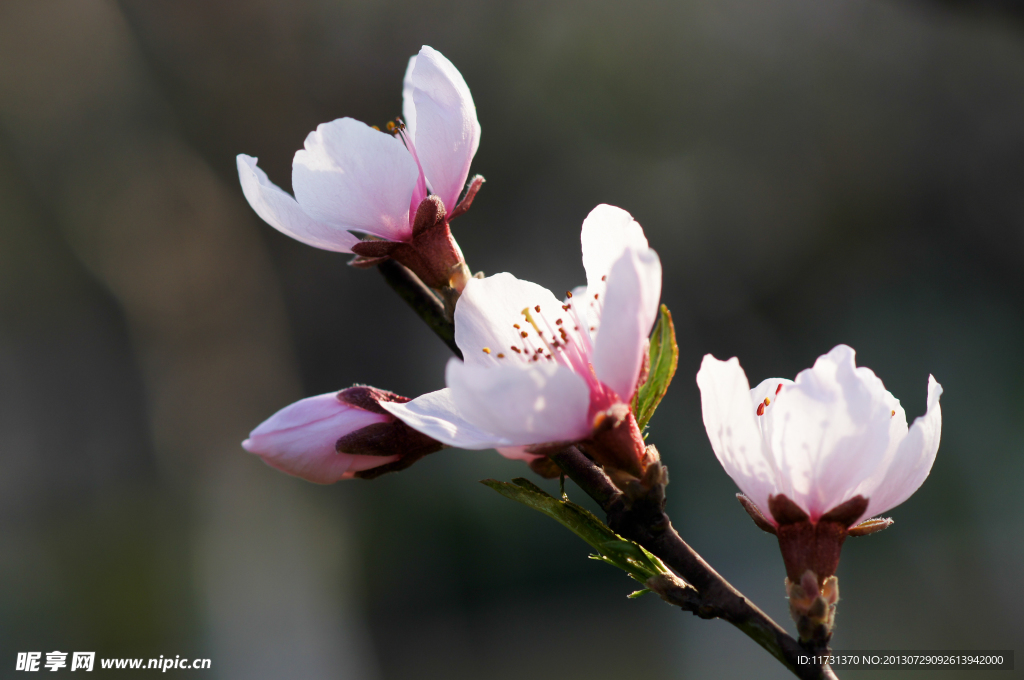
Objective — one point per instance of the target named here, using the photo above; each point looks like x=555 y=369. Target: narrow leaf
x=611 y=548
x=664 y=359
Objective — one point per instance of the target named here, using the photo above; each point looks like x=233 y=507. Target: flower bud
x=338 y=435
x=813 y=607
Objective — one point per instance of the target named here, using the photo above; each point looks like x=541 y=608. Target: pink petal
x=912 y=461
x=489 y=309
x=436 y=416
x=283 y=213
x=441 y=120
x=525 y=404
x=518 y=453
x=630 y=308
x=607 y=233
x=300 y=439
x=351 y=176
x=831 y=432
x=729 y=420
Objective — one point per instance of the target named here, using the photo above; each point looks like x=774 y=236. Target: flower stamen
x=760 y=407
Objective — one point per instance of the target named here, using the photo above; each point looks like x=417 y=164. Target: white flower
x=352 y=177
x=538 y=370
x=830 y=436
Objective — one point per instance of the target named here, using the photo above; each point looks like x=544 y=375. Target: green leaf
x=664 y=359
x=611 y=548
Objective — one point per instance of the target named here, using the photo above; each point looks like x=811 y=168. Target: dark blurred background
x=811 y=173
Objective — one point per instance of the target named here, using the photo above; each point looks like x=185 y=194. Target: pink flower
x=539 y=371
x=817 y=455
x=351 y=177
x=339 y=435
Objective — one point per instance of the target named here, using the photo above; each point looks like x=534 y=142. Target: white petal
x=441 y=122
x=831 y=431
x=435 y=415
x=729 y=420
x=525 y=404
x=607 y=233
x=486 y=314
x=629 y=310
x=283 y=213
x=351 y=176
x=912 y=461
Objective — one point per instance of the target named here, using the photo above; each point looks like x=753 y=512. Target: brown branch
x=422 y=300
x=641 y=518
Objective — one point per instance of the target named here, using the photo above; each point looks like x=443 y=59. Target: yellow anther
x=375 y=128
x=487 y=350
x=391 y=126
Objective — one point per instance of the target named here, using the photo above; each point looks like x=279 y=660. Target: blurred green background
x=810 y=172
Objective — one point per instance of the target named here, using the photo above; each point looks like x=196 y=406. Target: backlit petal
x=351 y=176
x=729 y=420
x=525 y=404
x=913 y=459
x=442 y=123
x=435 y=415
x=607 y=233
x=489 y=309
x=283 y=213
x=630 y=308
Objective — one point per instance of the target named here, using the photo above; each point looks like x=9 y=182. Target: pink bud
x=301 y=439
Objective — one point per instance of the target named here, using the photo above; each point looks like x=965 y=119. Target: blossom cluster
x=818 y=458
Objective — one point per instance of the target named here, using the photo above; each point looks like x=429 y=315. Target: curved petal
x=300 y=439
x=607 y=233
x=435 y=415
x=832 y=430
x=442 y=123
x=729 y=420
x=630 y=307
x=913 y=459
x=488 y=311
x=350 y=176
x=535 y=404
x=283 y=213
